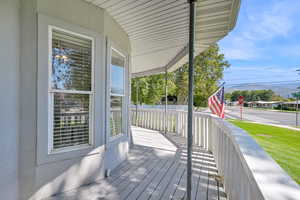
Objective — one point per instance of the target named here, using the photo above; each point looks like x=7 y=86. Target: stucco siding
x=86 y=15
x=9 y=87
x=74 y=11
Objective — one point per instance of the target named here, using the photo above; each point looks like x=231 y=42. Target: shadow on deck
x=155 y=169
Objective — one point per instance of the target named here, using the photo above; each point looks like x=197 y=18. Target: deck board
x=153 y=184
x=162 y=186
x=154 y=170
x=144 y=183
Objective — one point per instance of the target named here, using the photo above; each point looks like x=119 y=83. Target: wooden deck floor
x=155 y=170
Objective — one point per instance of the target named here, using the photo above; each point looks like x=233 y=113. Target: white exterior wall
x=9 y=98
x=20 y=175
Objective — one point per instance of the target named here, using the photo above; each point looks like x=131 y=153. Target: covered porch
x=227 y=163
x=68 y=66
x=155 y=169
x=68 y=129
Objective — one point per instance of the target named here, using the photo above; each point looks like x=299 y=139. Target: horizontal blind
x=71 y=70
x=71 y=61
x=71 y=120
x=117 y=59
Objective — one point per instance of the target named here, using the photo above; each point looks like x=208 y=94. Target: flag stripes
x=216 y=103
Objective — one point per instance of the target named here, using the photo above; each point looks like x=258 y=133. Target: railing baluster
x=204 y=132
x=147 y=121
x=199 y=130
x=152 y=120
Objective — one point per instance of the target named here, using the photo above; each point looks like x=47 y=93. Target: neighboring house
x=263 y=104
x=65 y=76
x=232 y=103
x=291 y=105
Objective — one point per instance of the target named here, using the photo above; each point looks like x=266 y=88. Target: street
x=262 y=116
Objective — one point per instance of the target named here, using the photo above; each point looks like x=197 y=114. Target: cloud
x=269 y=24
x=238 y=48
x=289 y=50
x=259 y=73
x=258 y=24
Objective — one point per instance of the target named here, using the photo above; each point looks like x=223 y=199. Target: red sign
x=241 y=100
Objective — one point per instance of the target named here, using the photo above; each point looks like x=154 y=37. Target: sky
x=265 y=44
x=117 y=79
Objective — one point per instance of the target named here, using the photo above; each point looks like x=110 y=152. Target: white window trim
x=51 y=92
x=112 y=139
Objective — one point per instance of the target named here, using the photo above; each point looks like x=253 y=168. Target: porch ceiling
x=158 y=29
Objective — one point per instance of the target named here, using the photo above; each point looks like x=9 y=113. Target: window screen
x=71 y=89
x=117 y=93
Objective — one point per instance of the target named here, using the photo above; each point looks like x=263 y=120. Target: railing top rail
x=273 y=182
x=172 y=111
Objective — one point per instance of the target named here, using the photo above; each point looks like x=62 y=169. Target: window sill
x=69 y=149
x=116 y=137
x=68 y=154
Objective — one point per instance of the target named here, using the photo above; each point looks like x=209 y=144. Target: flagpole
x=218 y=88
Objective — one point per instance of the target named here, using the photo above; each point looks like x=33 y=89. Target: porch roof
x=158 y=29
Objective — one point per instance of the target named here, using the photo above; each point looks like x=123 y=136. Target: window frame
x=98 y=136
x=51 y=92
x=109 y=138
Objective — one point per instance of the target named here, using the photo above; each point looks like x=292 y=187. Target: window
x=70 y=89
x=117 y=93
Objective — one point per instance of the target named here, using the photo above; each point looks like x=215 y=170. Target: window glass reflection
x=117 y=73
x=116 y=126
x=71 y=62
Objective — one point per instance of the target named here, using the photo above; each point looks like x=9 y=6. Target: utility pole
x=296 y=95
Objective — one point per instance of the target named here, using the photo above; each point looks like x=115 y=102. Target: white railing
x=249 y=172
x=176 y=123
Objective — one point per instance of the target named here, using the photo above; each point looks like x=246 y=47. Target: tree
x=209 y=68
x=181 y=83
x=139 y=87
x=255 y=95
x=151 y=88
x=228 y=96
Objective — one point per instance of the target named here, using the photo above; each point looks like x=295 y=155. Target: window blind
x=71 y=89
x=71 y=62
x=71 y=120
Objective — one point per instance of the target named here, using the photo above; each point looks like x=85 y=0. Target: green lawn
x=281 y=143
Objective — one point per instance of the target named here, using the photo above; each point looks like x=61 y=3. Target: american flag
x=216 y=102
